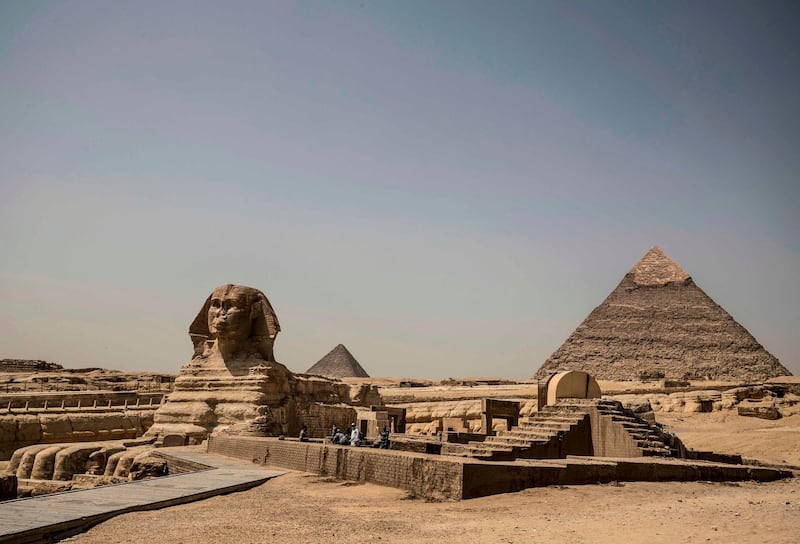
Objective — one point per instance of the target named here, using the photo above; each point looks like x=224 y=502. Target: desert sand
x=299 y=507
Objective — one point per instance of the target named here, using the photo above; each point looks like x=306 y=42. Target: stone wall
x=424 y=476
x=320 y=418
x=610 y=439
x=19 y=429
x=76 y=399
x=27 y=365
x=444 y=477
x=424 y=417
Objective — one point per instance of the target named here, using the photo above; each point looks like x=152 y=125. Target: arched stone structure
x=573 y=384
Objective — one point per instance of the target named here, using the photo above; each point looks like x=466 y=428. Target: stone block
x=763 y=412
x=8 y=487
x=172 y=440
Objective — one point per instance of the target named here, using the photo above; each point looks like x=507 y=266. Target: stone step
x=482 y=446
x=528 y=435
x=634 y=425
x=546 y=425
x=644 y=436
x=562 y=420
x=627 y=419
x=554 y=417
x=651 y=444
x=562 y=408
x=656 y=452
x=507 y=441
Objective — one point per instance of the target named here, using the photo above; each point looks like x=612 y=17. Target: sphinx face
x=229 y=314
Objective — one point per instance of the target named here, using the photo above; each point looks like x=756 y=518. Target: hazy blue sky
x=447 y=188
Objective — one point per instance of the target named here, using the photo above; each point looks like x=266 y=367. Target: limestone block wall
x=424 y=417
x=27 y=365
x=75 y=399
x=19 y=429
x=422 y=475
x=610 y=439
x=320 y=418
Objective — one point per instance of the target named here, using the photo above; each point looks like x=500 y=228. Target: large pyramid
x=338 y=363
x=658 y=323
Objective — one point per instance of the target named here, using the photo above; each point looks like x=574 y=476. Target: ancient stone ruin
x=338 y=363
x=27 y=365
x=28 y=419
x=576 y=438
x=658 y=324
x=234 y=384
x=234 y=394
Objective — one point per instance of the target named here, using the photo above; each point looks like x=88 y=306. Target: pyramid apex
x=657 y=268
x=338 y=363
x=658 y=324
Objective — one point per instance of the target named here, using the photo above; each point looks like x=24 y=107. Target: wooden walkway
x=47 y=517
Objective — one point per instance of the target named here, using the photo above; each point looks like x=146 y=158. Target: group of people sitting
x=355 y=437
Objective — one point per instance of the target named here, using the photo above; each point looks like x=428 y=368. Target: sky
x=446 y=188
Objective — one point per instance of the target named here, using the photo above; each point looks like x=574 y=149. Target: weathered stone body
x=233 y=383
x=658 y=324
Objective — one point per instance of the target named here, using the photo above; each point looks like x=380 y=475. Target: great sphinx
x=233 y=382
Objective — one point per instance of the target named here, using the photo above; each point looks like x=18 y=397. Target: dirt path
x=301 y=508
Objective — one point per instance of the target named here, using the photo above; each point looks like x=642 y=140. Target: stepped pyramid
x=658 y=323
x=338 y=363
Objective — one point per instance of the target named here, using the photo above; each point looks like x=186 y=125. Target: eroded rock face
x=147 y=465
x=233 y=382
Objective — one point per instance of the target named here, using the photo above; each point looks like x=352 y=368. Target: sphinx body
x=233 y=383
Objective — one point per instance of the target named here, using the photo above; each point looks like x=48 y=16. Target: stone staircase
x=649 y=437
x=564 y=429
x=538 y=437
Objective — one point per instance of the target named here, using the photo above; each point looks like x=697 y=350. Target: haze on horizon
x=446 y=188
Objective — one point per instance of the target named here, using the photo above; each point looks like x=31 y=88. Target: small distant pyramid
x=658 y=324
x=338 y=363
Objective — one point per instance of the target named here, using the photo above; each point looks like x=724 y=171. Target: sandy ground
x=301 y=508
x=298 y=508
x=726 y=432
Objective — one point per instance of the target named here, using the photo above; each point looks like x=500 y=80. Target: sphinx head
x=239 y=319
